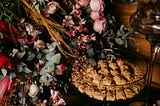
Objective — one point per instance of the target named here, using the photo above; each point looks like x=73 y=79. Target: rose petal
x=5 y=84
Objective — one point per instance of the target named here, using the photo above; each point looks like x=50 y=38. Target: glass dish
x=120 y=85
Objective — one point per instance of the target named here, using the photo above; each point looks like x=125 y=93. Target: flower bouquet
x=43 y=41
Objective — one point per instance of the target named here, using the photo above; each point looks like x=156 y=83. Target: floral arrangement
x=39 y=41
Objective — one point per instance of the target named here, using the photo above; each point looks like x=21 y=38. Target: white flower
x=33 y=90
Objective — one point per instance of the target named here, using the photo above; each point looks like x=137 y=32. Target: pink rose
x=83 y=3
x=100 y=25
x=97 y=5
x=95 y=15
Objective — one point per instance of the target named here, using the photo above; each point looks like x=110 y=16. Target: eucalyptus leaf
x=49 y=56
x=41 y=89
x=27 y=70
x=119 y=41
x=47 y=69
x=51 y=46
x=1 y=77
x=41 y=62
x=102 y=55
x=108 y=50
x=41 y=2
x=37 y=7
x=45 y=79
x=43 y=71
x=22 y=100
x=56 y=58
x=21 y=66
x=74 y=43
x=45 y=51
x=39 y=55
x=125 y=43
x=25 y=47
x=90 y=52
x=111 y=57
x=50 y=78
x=35 y=73
x=14 y=52
x=30 y=56
x=12 y=75
x=66 y=88
x=20 y=94
x=4 y=72
x=42 y=79
x=54 y=78
x=92 y=61
x=57 y=72
x=1 y=35
x=20 y=54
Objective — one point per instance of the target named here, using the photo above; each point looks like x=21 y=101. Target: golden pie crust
x=110 y=80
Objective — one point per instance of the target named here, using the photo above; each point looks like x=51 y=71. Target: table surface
x=75 y=98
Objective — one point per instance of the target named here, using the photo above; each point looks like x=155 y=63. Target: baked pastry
x=110 y=80
x=120 y=95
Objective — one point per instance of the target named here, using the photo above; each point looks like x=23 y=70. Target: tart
x=110 y=80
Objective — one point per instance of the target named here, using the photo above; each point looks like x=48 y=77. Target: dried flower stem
x=55 y=30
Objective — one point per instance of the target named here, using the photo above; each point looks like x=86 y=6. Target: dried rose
x=39 y=44
x=51 y=8
x=33 y=90
x=62 y=68
x=31 y=31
